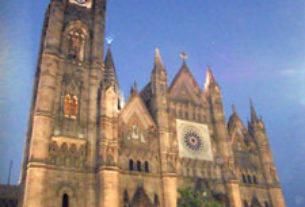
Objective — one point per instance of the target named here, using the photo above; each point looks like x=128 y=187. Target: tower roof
x=109 y=76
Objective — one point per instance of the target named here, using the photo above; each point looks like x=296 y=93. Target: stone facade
x=84 y=147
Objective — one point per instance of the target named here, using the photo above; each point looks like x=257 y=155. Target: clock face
x=192 y=139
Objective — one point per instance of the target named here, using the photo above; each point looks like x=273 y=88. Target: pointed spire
x=210 y=80
x=210 y=77
x=234 y=109
x=134 y=88
x=158 y=65
x=109 y=76
x=253 y=112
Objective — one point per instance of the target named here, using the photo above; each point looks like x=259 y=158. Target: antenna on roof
x=9 y=173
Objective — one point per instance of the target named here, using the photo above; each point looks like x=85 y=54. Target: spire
x=109 y=76
x=134 y=88
x=234 y=109
x=253 y=112
x=210 y=77
x=210 y=80
x=158 y=65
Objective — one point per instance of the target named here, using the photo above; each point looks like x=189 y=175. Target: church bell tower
x=60 y=151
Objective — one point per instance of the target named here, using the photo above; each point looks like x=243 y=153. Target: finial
x=134 y=87
x=183 y=56
x=157 y=52
x=253 y=112
x=234 y=109
x=109 y=40
x=157 y=56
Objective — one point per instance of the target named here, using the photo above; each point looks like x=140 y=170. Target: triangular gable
x=185 y=87
x=136 y=107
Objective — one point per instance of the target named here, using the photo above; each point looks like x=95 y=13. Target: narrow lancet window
x=65 y=200
x=139 y=166
x=146 y=167
x=131 y=165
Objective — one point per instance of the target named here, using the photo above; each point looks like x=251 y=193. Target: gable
x=136 y=109
x=136 y=126
x=185 y=88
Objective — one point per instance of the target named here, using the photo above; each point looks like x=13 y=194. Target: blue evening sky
x=256 y=49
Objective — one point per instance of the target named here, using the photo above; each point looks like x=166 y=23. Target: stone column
x=35 y=186
x=109 y=187
x=234 y=193
x=170 y=190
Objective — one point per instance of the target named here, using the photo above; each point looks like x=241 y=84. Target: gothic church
x=86 y=148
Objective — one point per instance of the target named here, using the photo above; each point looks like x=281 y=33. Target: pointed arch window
x=254 y=179
x=126 y=199
x=65 y=200
x=139 y=166
x=156 y=200
x=249 y=179
x=131 y=165
x=146 y=166
x=76 y=41
x=70 y=106
x=244 y=178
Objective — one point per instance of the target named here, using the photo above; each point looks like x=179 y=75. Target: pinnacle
x=253 y=112
x=134 y=88
x=234 y=109
x=210 y=80
x=158 y=60
x=109 y=76
x=158 y=65
x=109 y=59
x=210 y=76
